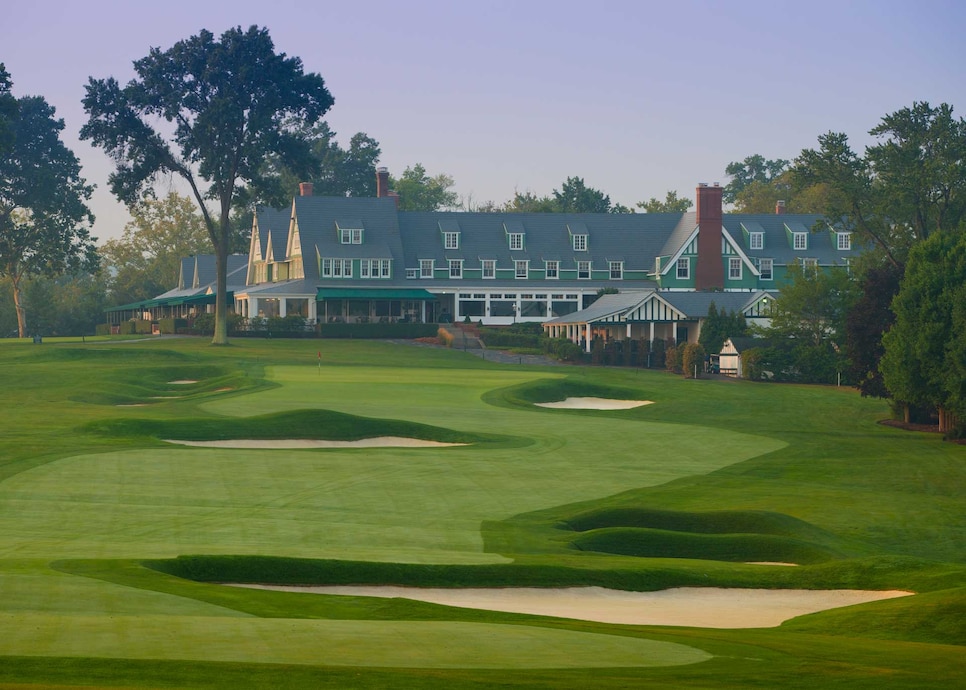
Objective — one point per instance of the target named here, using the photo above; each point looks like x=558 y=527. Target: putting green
x=337 y=643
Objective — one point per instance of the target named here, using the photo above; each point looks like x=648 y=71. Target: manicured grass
x=709 y=463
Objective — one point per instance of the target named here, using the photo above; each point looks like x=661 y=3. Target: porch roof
x=374 y=293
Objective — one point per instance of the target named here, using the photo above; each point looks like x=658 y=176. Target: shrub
x=564 y=350
x=751 y=364
x=513 y=337
x=204 y=324
x=673 y=358
x=445 y=337
x=692 y=359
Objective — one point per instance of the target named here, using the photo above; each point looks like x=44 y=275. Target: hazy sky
x=636 y=97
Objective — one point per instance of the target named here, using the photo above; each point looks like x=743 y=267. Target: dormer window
x=351 y=235
x=756 y=240
x=516 y=241
x=800 y=240
x=844 y=241
x=580 y=243
x=451 y=240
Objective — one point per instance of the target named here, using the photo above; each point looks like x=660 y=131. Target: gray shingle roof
x=633 y=237
x=606 y=305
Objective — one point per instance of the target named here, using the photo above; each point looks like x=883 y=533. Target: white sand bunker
x=299 y=443
x=182 y=382
x=701 y=607
x=595 y=404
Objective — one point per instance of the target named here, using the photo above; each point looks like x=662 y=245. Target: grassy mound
x=555 y=390
x=655 y=543
x=298 y=424
x=711 y=522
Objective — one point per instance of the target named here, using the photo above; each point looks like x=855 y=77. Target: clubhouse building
x=359 y=260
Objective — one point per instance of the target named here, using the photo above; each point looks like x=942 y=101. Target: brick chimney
x=780 y=207
x=382 y=182
x=305 y=189
x=709 y=272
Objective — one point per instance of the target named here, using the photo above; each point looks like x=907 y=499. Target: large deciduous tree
x=419 y=192
x=44 y=218
x=808 y=323
x=8 y=110
x=146 y=259
x=867 y=320
x=333 y=170
x=753 y=170
x=909 y=184
x=925 y=350
x=672 y=204
x=574 y=196
x=208 y=111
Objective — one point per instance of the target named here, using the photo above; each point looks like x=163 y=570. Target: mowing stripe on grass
x=336 y=643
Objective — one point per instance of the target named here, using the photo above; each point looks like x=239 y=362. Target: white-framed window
x=489 y=268
x=351 y=235
x=425 y=268
x=455 y=268
x=766 y=268
x=553 y=270
x=516 y=240
x=375 y=268
x=521 y=269
x=810 y=264
x=756 y=240
x=684 y=268
x=583 y=270
x=844 y=241
x=616 y=270
x=580 y=243
x=734 y=268
x=451 y=240
x=800 y=240
x=412 y=273
x=336 y=268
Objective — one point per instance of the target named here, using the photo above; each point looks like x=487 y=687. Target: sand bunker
x=182 y=382
x=297 y=443
x=702 y=607
x=595 y=404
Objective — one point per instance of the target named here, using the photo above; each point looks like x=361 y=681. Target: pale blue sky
x=635 y=97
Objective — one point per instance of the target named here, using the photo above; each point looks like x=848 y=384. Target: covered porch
x=377 y=305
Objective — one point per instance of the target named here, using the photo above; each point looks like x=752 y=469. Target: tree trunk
x=221 y=293
x=18 y=307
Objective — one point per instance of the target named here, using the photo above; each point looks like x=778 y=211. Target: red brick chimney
x=780 y=207
x=709 y=272
x=305 y=189
x=382 y=182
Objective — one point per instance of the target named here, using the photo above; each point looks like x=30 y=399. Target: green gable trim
x=373 y=293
